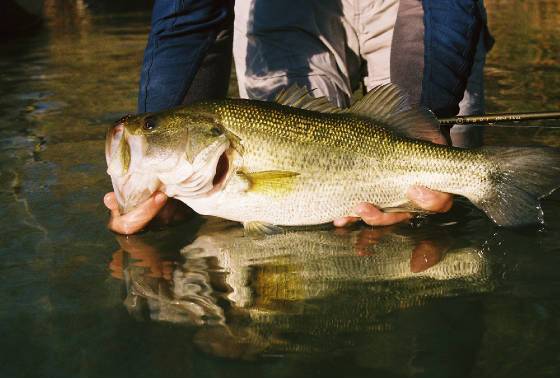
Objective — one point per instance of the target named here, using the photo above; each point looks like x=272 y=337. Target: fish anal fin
x=260 y=229
x=408 y=207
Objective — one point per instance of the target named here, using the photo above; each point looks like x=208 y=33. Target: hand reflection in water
x=146 y=255
x=427 y=252
x=250 y=297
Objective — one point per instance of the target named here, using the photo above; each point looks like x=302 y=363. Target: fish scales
x=268 y=163
x=271 y=131
x=365 y=163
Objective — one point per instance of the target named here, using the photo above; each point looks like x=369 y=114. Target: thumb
x=431 y=200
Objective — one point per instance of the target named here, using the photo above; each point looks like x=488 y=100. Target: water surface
x=455 y=297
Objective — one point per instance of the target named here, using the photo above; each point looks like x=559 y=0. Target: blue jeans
x=188 y=55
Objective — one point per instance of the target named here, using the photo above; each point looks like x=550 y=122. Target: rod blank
x=492 y=118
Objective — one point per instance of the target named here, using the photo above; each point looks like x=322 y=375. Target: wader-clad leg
x=438 y=54
x=188 y=55
x=426 y=47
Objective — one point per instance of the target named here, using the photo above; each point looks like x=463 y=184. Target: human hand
x=427 y=199
x=157 y=208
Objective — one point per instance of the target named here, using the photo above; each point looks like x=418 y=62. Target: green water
x=456 y=297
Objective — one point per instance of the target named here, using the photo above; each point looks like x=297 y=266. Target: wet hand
x=157 y=209
x=137 y=218
x=427 y=199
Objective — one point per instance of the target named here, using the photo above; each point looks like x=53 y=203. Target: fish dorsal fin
x=300 y=97
x=388 y=104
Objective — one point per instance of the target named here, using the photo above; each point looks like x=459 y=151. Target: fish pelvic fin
x=521 y=178
x=261 y=229
x=388 y=105
x=271 y=183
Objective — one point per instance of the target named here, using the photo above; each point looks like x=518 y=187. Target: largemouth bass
x=300 y=161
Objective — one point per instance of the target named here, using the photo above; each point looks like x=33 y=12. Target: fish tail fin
x=520 y=177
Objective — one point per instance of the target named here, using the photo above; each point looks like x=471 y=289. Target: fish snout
x=114 y=136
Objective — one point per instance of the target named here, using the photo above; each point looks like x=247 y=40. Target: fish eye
x=149 y=124
x=215 y=131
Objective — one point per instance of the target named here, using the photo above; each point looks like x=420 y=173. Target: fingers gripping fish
x=300 y=160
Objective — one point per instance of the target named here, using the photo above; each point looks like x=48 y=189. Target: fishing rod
x=492 y=118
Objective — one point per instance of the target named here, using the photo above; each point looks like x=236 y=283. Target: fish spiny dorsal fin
x=300 y=97
x=388 y=105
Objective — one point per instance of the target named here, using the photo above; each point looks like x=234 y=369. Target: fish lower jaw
x=133 y=189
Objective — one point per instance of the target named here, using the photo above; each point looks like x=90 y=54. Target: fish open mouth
x=222 y=169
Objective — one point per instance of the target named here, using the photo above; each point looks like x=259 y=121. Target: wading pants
x=426 y=47
x=433 y=49
x=188 y=55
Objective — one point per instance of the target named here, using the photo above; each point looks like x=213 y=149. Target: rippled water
x=455 y=297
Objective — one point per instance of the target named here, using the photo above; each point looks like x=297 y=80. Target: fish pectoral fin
x=261 y=229
x=270 y=182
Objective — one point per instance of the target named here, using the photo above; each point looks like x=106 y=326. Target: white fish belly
x=329 y=185
x=311 y=201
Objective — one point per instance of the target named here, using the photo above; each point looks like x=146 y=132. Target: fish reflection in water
x=256 y=296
